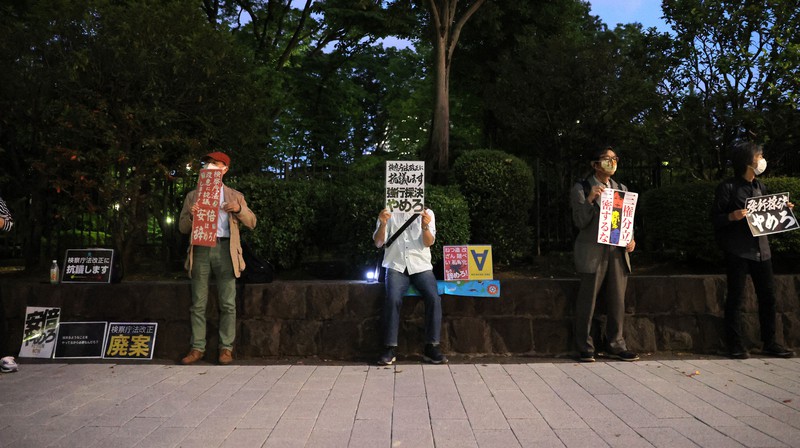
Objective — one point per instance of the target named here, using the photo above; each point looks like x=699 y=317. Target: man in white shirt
x=407 y=260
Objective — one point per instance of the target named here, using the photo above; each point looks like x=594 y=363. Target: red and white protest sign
x=617 y=208
x=204 y=224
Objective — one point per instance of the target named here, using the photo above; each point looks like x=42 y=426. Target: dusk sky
x=612 y=12
x=646 y=12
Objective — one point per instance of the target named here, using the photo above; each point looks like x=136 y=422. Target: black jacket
x=734 y=237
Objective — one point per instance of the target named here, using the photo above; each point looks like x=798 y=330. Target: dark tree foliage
x=738 y=78
x=104 y=105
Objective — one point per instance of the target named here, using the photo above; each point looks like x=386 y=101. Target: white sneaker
x=8 y=365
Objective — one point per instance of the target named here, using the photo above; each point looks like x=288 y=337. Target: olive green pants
x=205 y=261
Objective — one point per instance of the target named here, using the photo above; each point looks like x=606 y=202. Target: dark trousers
x=760 y=272
x=612 y=271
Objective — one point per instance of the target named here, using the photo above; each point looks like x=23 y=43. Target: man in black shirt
x=744 y=253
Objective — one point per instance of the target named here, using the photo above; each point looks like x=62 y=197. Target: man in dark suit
x=597 y=263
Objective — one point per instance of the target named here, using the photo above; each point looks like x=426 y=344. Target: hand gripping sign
x=204 y=224
x=617 y=208
x=770 y=214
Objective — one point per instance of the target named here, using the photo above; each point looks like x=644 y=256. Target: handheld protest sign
x=770 y=214
x=204 y=224
x=617 y=209
x=405 y=186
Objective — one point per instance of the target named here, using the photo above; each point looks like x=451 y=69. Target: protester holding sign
x=222 y=255
x=407 y=260
x=597 y=263
x=745 y=253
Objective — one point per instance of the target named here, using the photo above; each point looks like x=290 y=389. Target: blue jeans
x=396 y=287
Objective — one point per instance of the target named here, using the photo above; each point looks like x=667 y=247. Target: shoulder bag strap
x=400 y=231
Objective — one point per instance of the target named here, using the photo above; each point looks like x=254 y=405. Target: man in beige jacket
x=224 y=259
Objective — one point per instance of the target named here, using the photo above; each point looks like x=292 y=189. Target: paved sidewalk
x=665 y=403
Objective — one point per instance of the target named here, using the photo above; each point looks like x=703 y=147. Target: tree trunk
x=438 y=153
x=446 y=33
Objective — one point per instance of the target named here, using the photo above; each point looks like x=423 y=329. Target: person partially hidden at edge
x=408 y=260
x=598 y=263
x=744 y=253
x=224 y=259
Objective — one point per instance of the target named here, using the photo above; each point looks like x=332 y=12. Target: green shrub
x=676 y=221
x=335 y=220
x=498 y=188
x=452 y=218
x=786 y=243
x=286 y=211
x=345 y=232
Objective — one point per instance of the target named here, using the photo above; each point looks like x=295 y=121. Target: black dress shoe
x=777 y=350
x=625 y=355
x=738 y=353
x=586 y=357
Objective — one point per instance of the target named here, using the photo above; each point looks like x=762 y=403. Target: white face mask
x=760 y=166
x=608 y=166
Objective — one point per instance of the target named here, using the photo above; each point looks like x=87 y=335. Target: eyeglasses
x=605 y=159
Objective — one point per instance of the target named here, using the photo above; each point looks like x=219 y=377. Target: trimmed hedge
x=301 y=218
x=676 y=223
x=452 y=218
x=786 y=243
x=345 y=232
x=499 y=190
x=286 y=210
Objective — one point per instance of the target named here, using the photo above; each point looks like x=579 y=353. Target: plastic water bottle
x=54 y=273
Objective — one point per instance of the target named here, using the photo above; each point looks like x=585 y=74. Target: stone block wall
x=339 y=320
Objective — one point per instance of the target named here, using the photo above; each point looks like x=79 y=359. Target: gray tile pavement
x=650 y=403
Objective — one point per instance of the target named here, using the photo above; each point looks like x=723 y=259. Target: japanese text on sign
x=770 y=214
x=88 y=266
x=617 y=209
x=39 y=335
x=405 y=186
x=80 y=339
x=130 y=340
x=468 y=263
x=204 y=224
x=456 y=263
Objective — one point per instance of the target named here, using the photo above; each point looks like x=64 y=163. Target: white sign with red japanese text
x=204 y=224
x=617 y=208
